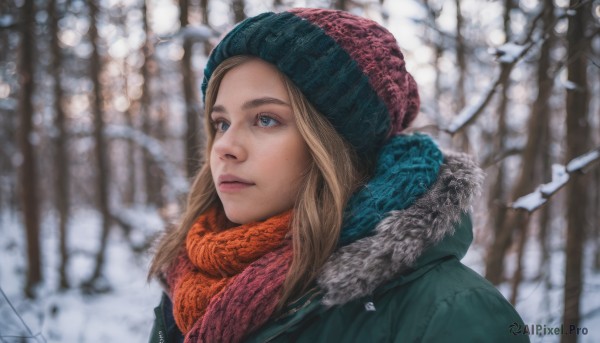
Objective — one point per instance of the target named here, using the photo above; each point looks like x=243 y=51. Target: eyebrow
x=253 y=104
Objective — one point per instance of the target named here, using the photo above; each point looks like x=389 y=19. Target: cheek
x=297 y=160
x=302 y=156
x=212 y=162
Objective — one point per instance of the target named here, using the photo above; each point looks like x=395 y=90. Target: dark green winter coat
x=403 y=284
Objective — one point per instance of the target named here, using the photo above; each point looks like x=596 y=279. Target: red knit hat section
x=377 y=53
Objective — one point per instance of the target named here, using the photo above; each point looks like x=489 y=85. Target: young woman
x=314 y=218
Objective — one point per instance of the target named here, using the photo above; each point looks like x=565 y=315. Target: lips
x=232 y=183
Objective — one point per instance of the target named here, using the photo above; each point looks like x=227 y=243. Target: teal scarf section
x=407 y=167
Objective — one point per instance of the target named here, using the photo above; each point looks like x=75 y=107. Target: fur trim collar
x=357 y=269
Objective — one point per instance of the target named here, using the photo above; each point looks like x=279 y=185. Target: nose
x=230 y=145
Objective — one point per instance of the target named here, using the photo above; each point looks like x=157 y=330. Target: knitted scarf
x=407 y=166
x=223 y=270
x=227 y=281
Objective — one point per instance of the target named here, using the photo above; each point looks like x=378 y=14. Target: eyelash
x=263 y=115
x=216 y=122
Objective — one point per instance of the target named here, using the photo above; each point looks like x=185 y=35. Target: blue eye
x=221 y=126
x=266 y=121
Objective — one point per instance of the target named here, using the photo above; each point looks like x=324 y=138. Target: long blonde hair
x=333 y=175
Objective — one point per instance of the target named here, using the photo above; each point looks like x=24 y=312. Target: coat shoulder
x=453 y=303
x=444 y=301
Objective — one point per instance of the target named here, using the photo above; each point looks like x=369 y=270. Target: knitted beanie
x=348 y=67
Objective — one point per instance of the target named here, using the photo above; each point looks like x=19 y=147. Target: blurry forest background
x=101 y=133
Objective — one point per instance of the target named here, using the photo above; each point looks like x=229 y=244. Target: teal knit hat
x=349 y=68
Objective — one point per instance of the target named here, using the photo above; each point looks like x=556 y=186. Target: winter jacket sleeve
x=473 y=315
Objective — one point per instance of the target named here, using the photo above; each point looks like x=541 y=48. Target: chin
x=239 y=217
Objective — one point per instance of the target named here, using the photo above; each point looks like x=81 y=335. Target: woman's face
x=258 y=157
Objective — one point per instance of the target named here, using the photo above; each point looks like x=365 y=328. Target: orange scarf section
x=214 y=254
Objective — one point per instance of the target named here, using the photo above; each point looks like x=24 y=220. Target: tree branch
x=560 y=177
x=509 y=55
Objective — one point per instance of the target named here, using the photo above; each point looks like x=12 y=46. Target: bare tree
x=431 y=39
x=461 y=59
x=340 y=5
x=102 y=185
x=238 y=7
x=192 y=138
x=517 y=222
x=577 y=143
x=62 y=157
x=541 y=111
x=542 y=105
x=204 y=21
x=151 y=174
x=498 y=188
x=29 y=181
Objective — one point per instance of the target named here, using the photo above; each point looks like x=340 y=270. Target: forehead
x=252 y=79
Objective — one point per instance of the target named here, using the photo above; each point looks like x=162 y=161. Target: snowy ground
x=123 y=315
x=126 y=313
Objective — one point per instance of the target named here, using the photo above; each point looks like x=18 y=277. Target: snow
x=530 y=201
x=539 y=197
x=125 y=314
x=560 y=177
x=570 y=85
x=193 y=33
x=468 y=113
x=510 y=52
x=197 y=33
x=177 y=182
x=580 y=162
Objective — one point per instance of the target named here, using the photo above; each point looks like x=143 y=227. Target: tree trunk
x=577 y=143
x=29 y=195
x=340 y=5
x=238 y=8
x=496 y=202
x=460 y=139
x=100 y=149
x=498 y=191
x=541 y=110
x=595 y=220
x=130 y=185
x=151 y=175
x=192 y=139
x=518 y=274
x=204 y=21
x=62 y=158
x=461 y=60
x=541 y=105
x=204 y=10
x=526 y=182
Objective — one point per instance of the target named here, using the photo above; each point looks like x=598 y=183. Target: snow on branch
x=468 y=114
x=508 y=55
x=560 y=177
x=177 y=182
x=192 y=33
